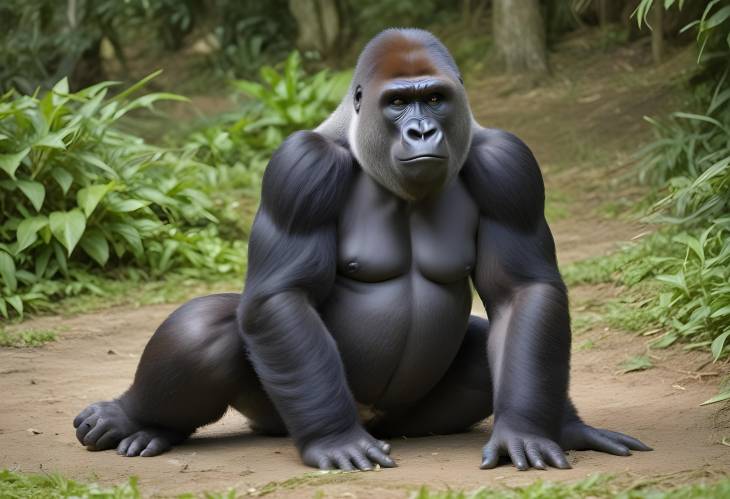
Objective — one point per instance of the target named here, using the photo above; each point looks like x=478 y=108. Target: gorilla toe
x=148 y=443
x=102 y=425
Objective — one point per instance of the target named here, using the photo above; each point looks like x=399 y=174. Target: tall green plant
x=76 y=193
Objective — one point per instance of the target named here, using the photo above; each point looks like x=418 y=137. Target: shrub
x=79 y=194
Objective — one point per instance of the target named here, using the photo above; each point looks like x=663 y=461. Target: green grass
x=27 y=338
x=595 y=486
x=14 y=485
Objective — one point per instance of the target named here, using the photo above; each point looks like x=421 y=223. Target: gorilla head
x=410 y=122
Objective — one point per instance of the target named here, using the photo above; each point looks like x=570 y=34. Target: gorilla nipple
x=353 y=267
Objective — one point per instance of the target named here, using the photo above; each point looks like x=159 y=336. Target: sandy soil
x=42 y=389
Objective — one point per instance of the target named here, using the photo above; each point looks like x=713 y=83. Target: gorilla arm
x=292 y=267
x=517 y=278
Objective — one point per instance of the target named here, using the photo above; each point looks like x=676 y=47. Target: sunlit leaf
x=34 y=191
x=10 y=162
x=67 y=227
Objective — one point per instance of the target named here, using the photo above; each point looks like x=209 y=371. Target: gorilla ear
x=358 y=98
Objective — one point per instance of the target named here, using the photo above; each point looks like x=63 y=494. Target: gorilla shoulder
x=504 y=178
x=306 y=181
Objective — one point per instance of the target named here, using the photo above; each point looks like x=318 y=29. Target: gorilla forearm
x=529 y=351
x=299 y=366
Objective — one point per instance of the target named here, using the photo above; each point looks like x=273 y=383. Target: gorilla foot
x=148 y=443
x=103 y=425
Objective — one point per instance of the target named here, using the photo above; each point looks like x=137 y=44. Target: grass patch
x=595 y=486
x=28 y=338
x=40 y=486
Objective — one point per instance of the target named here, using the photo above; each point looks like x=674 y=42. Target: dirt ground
x=565 y=122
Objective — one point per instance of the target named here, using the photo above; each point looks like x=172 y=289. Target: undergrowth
x=14 y=485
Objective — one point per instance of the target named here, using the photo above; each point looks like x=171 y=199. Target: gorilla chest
x=401 y=300
x=381 y=237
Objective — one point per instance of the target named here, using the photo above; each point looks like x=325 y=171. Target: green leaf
x=33 y=191
x=7 y=271
x=16 y=303
x=3 y=308
x=63 y=178
x=721 y=312
x=11 y=162
x=53 y=140
x=126 y=205
x=88 y=198
x=636 y=363
x=717 y=398
x=664 y=341
x=718 y=345
x=96 y=246
x=67 y=227
x=27 y=232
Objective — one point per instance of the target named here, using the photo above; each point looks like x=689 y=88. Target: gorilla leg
x=461 y=399
x=193 y=367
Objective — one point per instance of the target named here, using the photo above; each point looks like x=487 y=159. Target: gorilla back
x=355 y=316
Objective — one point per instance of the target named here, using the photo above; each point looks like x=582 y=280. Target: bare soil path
x=565 y=122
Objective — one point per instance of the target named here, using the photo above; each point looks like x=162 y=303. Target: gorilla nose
x=422 y=133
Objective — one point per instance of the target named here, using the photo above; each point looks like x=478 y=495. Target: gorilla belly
x=397 y=337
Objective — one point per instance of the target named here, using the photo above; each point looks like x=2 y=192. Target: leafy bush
x=78 y=194
x=282 y=103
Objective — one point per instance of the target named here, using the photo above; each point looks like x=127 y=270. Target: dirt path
x=42 y=389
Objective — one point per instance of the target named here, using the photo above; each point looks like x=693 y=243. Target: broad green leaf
x=27 y=232
x=664 y=341
x=67 y=227
x=11 y=162
x=7 y=271
x=33 y=191
x=88 y=197
x=126 y=205
x=61 y=258
x=3 y=308
x=96 y=246
x=53 y=140
x=62 y=86
x=718 y=345
x=63 y=178
x=16 y=303
x=636 y=363
x=129 y=234
x=717 y=398
x=99 y=163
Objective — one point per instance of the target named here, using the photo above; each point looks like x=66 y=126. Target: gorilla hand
x=524 y=448
x=577 y=435
x=355 y=448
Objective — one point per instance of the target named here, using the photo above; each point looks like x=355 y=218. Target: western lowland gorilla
x=355 y=322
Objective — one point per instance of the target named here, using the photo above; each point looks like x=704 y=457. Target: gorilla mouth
x=420 y=157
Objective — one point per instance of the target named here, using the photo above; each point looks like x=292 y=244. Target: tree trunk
x=519 y=35
x=657 y=32
x=321 y=24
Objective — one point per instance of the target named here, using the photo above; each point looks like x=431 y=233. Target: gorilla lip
x=423 y=156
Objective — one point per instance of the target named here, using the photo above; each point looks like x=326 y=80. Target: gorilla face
x=412 y=134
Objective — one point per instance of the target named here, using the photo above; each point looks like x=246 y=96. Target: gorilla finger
x=384 y=446
x=124 y=445
x=378 y=456
x=342 y=461
x=83 y=415
x=107 y=440
x=95 y=433
x=360 y=461
x=517 y=454
x=603 y=443
x=156 y=447
x=534 y=455
x=630 y=442
x=554 y=455
x=136 y=446
x=324 y=463
x=490 y=455
x=86 y=427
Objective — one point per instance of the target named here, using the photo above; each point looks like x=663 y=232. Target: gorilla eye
x=434 y=99
x=397 y=102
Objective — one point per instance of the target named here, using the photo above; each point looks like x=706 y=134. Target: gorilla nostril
x=414 y=133
x=427 y=134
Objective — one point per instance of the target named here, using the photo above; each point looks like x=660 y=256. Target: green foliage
x=40 y=486
x=598 y=486
x=281 y=103
x=636 y=363
x=78 y=194
x=27 y=338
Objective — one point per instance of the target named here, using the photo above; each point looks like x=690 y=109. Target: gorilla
x=354 y=323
